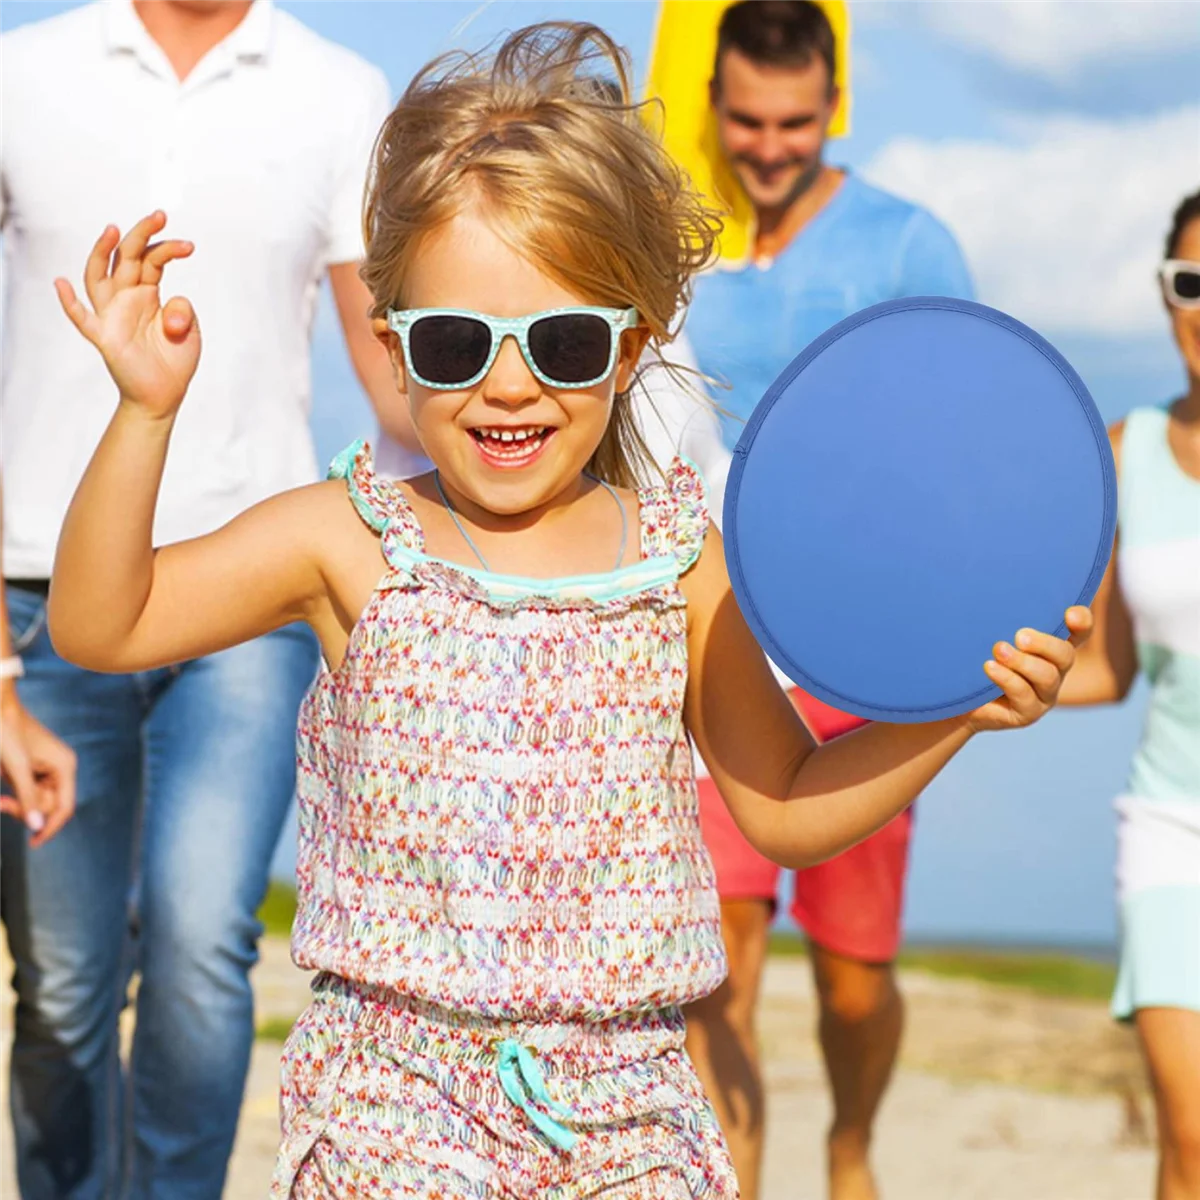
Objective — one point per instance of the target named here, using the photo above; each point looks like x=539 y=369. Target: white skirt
x=1158 y=892
x=1158 y=844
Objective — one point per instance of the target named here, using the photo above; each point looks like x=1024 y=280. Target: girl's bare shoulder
x=323 y=518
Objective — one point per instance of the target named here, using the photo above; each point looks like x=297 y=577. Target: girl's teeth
x=515 y=444
x=510 y=435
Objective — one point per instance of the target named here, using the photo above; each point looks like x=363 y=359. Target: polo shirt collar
x=123 y=30
x=252 y=38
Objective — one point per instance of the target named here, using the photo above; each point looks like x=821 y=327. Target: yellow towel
x=681 y=60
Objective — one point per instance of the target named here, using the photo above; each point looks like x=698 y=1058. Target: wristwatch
x=12 y=667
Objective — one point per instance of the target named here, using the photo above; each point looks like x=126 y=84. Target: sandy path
x=1000 y=1096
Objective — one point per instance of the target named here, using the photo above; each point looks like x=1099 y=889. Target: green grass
x=1044 y=972
x=276 y=914
x=278 y=909
x=787 y=945
x=274 y=1029
x=1047 y=973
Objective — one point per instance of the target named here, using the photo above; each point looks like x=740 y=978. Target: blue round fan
x=926 y=478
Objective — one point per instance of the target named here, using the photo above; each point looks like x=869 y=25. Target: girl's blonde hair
x=545 y=134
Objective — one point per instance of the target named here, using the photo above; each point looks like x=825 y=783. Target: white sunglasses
x=1181 y=282
x=454 y=348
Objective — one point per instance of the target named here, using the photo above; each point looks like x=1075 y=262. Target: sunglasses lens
x=571 y=347
x=448 y=349
x=1187 y=285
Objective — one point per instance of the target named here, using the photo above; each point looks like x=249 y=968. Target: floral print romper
x=502 y=883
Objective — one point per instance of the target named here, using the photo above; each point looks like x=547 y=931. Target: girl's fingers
x=1016 y=688
x=1043 y=675
x=178 y=318
x=994 y=715
x=95 y=272
x=159 y=254
x=127 y=264
x=1080 y=622
x=83 y=320
x=1061 y=653
x=1030 y=673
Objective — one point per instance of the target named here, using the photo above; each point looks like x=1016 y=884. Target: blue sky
x=1055 y=138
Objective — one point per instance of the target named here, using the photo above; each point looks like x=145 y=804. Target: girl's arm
x=1107 y=666
x=799 y=804
x=116 y=604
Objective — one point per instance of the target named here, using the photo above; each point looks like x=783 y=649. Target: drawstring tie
x=522 y=1080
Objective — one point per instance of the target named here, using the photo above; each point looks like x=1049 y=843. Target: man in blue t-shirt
x=825 y=245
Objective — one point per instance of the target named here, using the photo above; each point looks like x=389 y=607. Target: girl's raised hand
x=1030 y=672
x=151 y=349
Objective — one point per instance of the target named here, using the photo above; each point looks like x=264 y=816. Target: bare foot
x=850 y=1175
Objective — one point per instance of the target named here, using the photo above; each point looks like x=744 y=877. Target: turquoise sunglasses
x=564 y=347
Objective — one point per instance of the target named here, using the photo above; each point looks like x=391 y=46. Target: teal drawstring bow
x=521 y=1079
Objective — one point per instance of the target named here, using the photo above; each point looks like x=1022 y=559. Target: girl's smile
x=511 y=447
x=508 y=445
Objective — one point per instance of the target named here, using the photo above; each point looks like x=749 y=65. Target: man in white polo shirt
x=253 y=135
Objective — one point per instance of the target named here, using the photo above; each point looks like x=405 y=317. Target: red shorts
x=851 y=904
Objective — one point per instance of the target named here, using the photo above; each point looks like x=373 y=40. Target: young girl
x=502 y=884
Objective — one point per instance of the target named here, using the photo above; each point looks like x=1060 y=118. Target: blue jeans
x=185 y=777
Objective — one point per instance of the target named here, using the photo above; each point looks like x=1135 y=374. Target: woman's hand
x=1030 y=673
x=151 y=349
x=38 y=773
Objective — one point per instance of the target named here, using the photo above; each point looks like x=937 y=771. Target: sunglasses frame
x=1169 y=272
x=401 y=321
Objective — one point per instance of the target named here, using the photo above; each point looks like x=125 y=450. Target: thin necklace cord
x=437 y=482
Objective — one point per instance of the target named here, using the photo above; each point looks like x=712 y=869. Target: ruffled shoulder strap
x=380 y=502
x=675 y=515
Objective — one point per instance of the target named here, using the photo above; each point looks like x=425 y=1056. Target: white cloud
x=1063 y=227
x=1057 y=39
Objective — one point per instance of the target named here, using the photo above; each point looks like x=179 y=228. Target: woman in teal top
x=1148 y=619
